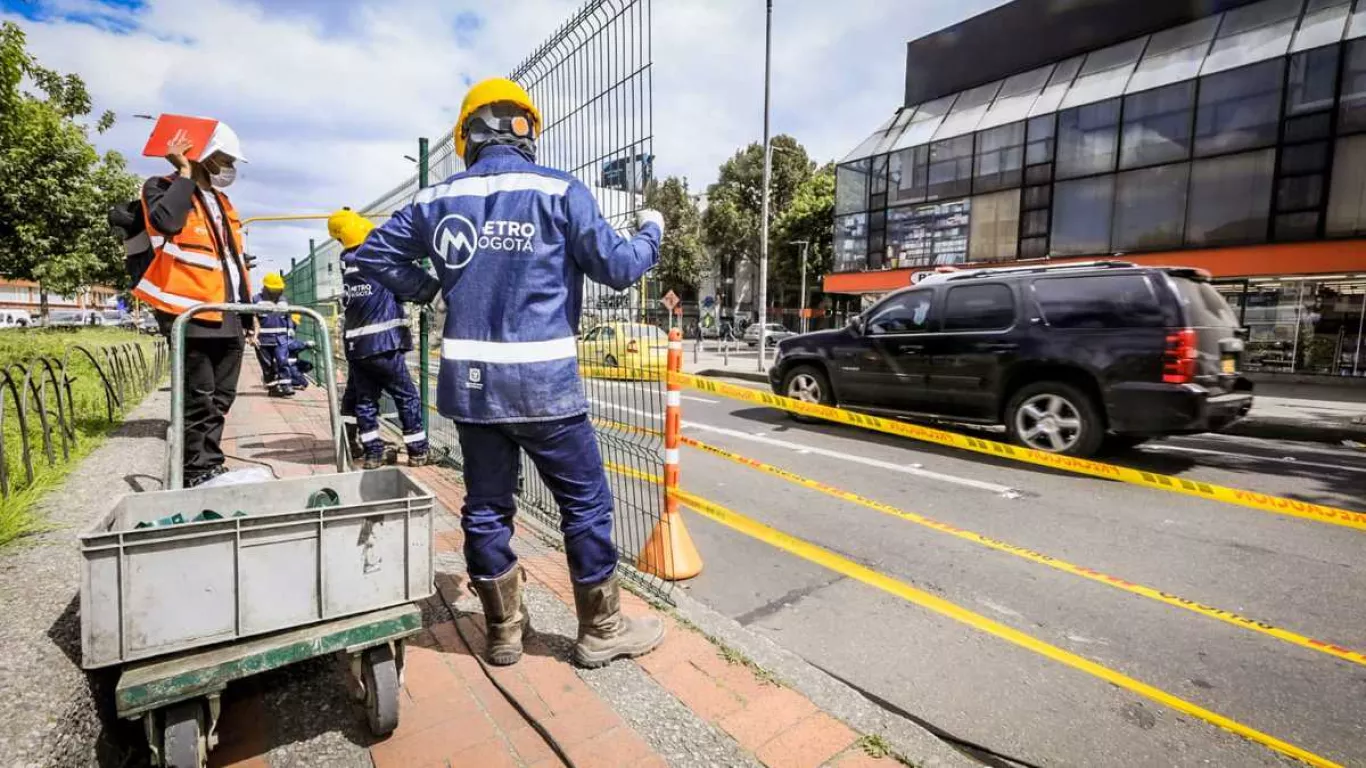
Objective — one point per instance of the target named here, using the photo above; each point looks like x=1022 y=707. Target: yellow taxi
x=624 y=350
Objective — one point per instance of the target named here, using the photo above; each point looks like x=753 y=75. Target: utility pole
x=762 y=298
x=802 y=316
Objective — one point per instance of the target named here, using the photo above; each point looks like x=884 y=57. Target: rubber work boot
x=418 y=459
x=504 y=618
x=372 y=461
x=604 y=633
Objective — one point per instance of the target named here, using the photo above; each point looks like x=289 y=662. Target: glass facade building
x=1235 y=142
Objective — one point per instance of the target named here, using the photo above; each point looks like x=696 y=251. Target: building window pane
x=951 y=168
x=1229 y=199
x=1347 y=198
x=851 y=242
x=1239 y=109
x=1297 y=226
x=1308 y=127
x=1037 y=197
x=877 y=183
x=851 y=187
x=908 y=174
x=1034 y=248
x=1040 y=137
x=995 y=226
x=1304 y=158
x=1081 y=216
x=1157 y=126
x=1150 y=208
x=1035 y=223
x=1088 y=138
x=1297 y=193
x=921 y=235
x=1313 y=80
x=999 y=159
x=1352 y=108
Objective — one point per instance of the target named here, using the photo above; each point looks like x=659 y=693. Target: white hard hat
x=224 y=139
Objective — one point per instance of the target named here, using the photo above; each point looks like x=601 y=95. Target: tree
x=55 y=189
x=810 y=217
x=734 y=203
x=680 y=254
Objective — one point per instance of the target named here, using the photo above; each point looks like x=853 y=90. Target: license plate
x=1230 y=365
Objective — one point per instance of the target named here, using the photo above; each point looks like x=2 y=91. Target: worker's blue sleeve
x=605 y=256
x=392 y=255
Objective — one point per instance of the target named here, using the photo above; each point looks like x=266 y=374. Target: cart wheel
x=182 y=736
x=379 y=673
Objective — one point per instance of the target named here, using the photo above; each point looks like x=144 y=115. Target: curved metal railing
x=41 y=387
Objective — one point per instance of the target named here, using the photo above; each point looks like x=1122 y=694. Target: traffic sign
x=708 y=301
x=670 y=300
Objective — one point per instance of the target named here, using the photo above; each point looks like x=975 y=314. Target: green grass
x=90 y=425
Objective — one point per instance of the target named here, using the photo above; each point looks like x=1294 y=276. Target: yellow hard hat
x=274 y=282
x=296 y=317
x=349 y=228
x=493 y=91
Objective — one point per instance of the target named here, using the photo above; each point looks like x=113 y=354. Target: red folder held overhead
x=198 y=130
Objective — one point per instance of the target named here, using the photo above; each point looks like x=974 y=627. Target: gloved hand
x=649 y=216
x=310 y=344
x=426 y=294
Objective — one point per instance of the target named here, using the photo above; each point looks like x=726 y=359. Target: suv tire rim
x=1048 y=422
x=804 y=387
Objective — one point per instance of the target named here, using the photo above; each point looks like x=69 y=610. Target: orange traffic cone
x=669 y=552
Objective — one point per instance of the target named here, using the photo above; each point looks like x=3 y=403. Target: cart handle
x=175 y=438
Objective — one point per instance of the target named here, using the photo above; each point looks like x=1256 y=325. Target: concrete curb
x=1333 y=433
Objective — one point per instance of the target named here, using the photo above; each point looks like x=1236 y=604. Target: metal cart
x=280 y=572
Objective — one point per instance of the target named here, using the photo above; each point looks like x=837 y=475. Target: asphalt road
x=1303 y=576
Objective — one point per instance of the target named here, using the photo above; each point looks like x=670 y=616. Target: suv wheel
x=1055 y=417
x=808 y=384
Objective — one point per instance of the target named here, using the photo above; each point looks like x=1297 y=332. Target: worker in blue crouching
x=512 y=242
x=299 y=368
x=272 y=345
x=375 y=337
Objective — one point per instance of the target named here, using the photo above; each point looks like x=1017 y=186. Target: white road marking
x=1252 y=457
x=906 y=469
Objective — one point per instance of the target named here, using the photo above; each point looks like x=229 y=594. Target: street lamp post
x=762 y=298
x=802 y=312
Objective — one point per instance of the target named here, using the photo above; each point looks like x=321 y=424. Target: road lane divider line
x=1264 y=502
x=845 y=567
x=905 y=469
x=1220 y=614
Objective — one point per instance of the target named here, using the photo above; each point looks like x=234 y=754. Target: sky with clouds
x=329 y=95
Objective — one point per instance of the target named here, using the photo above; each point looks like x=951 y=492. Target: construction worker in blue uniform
x=375 y=338
x=299 y=368
x=273 y=332
x=512 y=242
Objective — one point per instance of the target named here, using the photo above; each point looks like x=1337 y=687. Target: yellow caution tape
x=1264 y=502
x=845 y=567
x=1228 y=617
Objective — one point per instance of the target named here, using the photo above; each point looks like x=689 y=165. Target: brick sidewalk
x=452 y=715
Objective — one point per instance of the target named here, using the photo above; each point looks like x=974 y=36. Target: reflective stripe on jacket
x=511 y=242
x=374 y=322
x=188 y=267
x=274 y=328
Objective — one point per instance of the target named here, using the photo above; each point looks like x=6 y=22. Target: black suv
x=1070 y=358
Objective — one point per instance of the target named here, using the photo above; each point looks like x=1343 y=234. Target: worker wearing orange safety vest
x=196 y=236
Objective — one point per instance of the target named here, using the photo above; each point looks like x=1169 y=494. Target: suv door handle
x=910 y=349
x=999 y=346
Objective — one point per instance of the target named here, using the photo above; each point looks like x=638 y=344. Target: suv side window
x=979 y=308
x=905 y=313
x=1099 y=301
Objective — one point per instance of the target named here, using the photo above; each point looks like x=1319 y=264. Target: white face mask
x=224 y=178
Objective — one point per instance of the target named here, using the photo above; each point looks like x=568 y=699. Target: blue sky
x=329 y=95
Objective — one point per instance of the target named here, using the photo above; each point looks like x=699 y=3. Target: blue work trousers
x=565 y=452
x=368 y=378
x=274 y=359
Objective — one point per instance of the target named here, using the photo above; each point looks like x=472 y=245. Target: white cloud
x=328 y=97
